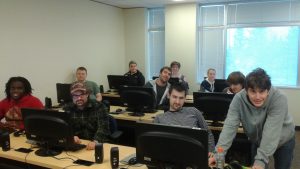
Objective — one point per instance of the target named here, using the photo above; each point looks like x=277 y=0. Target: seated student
x=263 y=112
x=89 y=117
x=134 y=77
x=175 y=66
x=183 y=116
x=236 y=82
x=81 y=74
x=161 y=87
x=207 y=85
x=18 y=95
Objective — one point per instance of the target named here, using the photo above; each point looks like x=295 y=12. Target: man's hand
x=77 y=140
x=91 y=145
x=257 y=167
x=211 y=161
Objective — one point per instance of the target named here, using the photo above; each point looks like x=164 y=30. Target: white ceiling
x=153 y=3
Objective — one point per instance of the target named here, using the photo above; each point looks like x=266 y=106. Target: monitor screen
x=160 y=146
x=49 y=128
x=63 y=93
x=220 y=85
x=213 y=105
x=173 y=80
x=115 y=81
x=138 y=99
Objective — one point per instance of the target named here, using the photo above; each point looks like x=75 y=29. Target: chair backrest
x=113 y=126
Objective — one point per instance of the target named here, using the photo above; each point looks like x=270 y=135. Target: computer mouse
x=18 y=133
x=132 y=161
x=119 y=110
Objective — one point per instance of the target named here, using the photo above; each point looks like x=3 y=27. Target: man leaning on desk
x=183 y=116
x=88 y=117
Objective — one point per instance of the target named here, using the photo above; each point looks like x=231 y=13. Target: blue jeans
x=283 y=156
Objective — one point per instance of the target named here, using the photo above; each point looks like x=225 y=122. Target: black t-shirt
x=160 y=92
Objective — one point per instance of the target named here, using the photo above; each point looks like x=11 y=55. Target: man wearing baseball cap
x=89 y=117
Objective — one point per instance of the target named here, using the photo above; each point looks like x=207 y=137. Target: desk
x=50 y=162
x=148 y=117
x=126 y=123
x=114 y=99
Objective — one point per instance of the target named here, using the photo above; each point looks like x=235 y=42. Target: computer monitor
x=115 y=81
x=213 y=105
x=49 y=128
x=63 y=93
x=173 y=80
x=138 y=100
x=220 y=85
x=160 y=146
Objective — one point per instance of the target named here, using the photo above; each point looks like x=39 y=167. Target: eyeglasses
x=79 y=95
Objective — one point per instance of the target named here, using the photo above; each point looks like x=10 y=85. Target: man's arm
x=102 y=132
x=272 y=131
x=141 y=80
x=202 y=124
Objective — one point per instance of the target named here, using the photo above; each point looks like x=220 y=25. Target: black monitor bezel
x=116 y=81
x=167 y=150
x=213 y=105
x=63 y=93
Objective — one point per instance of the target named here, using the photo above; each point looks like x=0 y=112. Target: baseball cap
x=78 y=86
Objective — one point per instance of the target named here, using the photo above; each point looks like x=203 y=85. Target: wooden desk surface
x=148 y=117
x=189 y=98
x=50 y=162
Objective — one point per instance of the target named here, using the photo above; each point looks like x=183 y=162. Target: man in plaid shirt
x=89 y=118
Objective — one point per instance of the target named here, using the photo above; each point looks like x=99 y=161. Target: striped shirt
x=187 y=116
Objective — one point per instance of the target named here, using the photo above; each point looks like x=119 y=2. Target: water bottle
x=220 y=158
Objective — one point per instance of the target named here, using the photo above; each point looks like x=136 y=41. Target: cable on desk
x=71 y=155
x=62 y=158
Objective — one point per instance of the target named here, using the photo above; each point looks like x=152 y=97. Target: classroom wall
x=180 y=42
x=46 y=40
x=136 y=37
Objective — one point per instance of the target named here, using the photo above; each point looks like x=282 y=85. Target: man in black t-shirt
x=161 y=87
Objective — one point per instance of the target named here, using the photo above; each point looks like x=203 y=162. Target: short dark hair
x=165 y=67
x=178 y=87
x=236 y=77
x=258 y=78
x=27 y=85
x=81 y=68
x=210 y=70
x=132 y=62
x=175 y=63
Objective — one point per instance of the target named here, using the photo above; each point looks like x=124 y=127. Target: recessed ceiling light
x=177 y=0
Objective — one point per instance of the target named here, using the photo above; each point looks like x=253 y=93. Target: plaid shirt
x=91 y=123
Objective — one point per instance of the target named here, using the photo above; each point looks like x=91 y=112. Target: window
x=244 y=36
x=156 y=41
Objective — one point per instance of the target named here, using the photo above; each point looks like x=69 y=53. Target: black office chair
x=113 y=127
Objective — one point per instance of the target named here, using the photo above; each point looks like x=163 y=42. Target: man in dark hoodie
x=134 y=77
x=263 y=112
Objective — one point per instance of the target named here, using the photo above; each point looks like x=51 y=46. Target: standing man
x=161 y=87
x=183 y=116
x=134 y=77
x=89 y=117
x=81 y=74
x=263 y=112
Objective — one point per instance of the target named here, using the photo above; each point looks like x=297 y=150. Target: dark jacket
x=136 y=79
